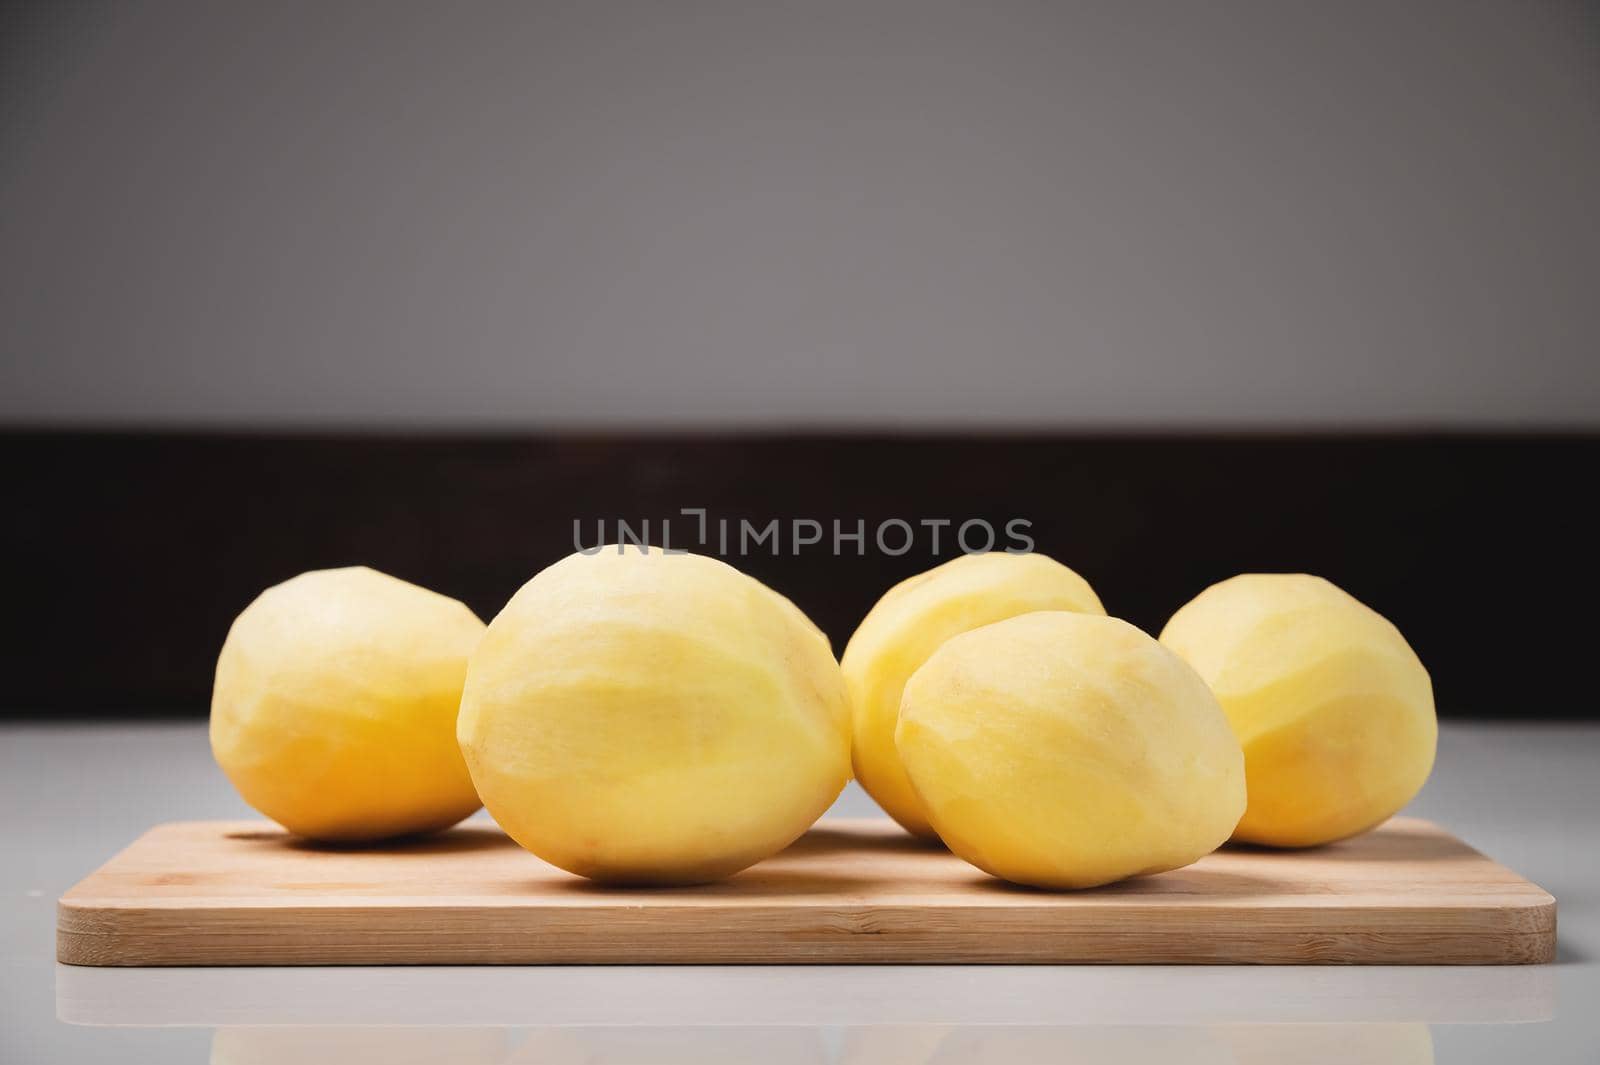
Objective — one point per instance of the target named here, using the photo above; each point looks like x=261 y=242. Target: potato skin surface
x=1333 y=708
x=1065 y=750
x=649 y=718
x=334 y=706
x=908 y=624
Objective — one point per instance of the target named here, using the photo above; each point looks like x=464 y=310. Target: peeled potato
x=661 y=718
x=1333 y=708
x=335 y=702
x=1067 y=750
x=909 y=623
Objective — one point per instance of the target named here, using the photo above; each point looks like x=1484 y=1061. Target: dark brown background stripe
x=128 y=554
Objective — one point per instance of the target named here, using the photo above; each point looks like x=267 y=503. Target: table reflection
x=328 y=1044
x=1266 y=1044
x=842 y=997
x=1263 y=1044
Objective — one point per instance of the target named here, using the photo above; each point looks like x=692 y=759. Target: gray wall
x=852 y=213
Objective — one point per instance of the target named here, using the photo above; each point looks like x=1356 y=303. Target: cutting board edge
x=1520 y=933
x=104 y=930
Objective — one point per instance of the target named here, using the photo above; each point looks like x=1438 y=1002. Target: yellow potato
x=335 y=704
x=1333 y=708
x=1068 y=750
x=909 y=623
x=650 y=718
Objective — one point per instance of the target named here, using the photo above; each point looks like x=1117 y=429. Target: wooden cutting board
x=244 y=893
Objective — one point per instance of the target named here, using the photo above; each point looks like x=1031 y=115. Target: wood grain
x=244 y=893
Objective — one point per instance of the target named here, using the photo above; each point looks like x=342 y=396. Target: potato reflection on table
x=341 y=1045
x=1258 y=1044
x=1262 y=1044
x=674 y=1046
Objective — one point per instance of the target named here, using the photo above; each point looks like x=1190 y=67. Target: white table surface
x=1528 y=795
